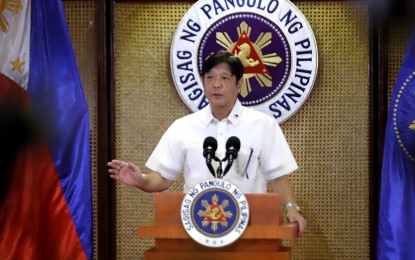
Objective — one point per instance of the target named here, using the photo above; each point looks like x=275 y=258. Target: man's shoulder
x=257 y=115
x=193 y=117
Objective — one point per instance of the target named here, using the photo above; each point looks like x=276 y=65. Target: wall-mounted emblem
x=273 y=40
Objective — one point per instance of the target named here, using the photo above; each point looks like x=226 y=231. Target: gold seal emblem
x=214 y=213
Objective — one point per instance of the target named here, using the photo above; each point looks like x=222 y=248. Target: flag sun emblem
x=14 y=6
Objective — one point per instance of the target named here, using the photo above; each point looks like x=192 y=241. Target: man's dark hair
x=219 y=57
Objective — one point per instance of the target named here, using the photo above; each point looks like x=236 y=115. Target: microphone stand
x=219 y=170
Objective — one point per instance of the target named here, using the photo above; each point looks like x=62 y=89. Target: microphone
x=232 y=148
x=209 y=148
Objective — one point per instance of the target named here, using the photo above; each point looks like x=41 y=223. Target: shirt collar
x=234 y=115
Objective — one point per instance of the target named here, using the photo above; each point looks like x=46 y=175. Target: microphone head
x=210 y=143
x=234 y=143
x=232 y=147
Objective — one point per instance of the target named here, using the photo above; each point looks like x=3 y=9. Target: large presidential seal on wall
x=271 y=37
x=215 y=213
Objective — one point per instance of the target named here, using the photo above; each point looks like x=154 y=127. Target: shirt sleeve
x=276 y=159
x=167 y=158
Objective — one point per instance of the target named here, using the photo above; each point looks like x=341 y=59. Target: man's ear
x=240 y=83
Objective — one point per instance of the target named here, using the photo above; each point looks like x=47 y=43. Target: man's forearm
x=282 y=186
x=154 y=182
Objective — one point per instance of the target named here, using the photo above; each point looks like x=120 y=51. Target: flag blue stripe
x=56 y=92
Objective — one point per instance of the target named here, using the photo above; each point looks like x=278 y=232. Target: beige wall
x=329 y=135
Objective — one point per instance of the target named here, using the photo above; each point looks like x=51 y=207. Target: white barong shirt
x=264 y=153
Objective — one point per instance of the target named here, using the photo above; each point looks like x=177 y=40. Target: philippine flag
x=46 y=201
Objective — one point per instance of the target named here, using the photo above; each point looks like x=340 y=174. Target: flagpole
x=106 y=130
x=377 y=111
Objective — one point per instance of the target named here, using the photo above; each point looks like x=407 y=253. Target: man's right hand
x=126 y=173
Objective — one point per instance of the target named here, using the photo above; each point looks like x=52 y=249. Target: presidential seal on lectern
x=215 y=213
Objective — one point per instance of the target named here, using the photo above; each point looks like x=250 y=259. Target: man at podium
x=264 y=154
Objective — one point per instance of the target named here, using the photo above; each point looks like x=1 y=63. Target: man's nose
x=217 y=82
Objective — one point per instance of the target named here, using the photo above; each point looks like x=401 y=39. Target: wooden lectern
x=261 y=239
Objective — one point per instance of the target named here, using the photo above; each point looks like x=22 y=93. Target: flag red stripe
x=35 y=222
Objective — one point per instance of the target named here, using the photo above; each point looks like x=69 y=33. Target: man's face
x=221 y=87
